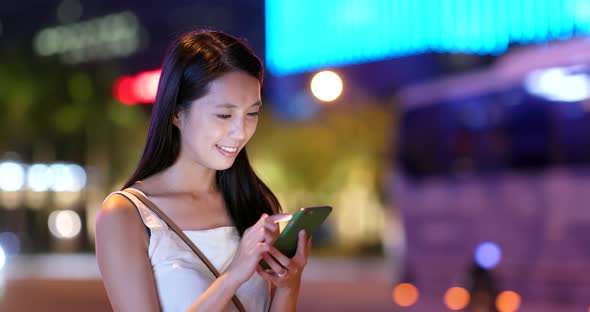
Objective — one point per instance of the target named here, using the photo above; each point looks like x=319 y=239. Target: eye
x=254 y=114
x=223 y=116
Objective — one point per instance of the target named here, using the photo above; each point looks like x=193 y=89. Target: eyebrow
x=229 y=105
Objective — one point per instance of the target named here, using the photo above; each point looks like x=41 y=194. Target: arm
x=127 y=272
x=254 y=243
x=121 y=252
x=285 y=290
x=284 y=300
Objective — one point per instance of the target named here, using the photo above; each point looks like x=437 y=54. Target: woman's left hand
x=286 y=272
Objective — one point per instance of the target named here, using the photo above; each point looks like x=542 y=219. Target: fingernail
x=264 y=215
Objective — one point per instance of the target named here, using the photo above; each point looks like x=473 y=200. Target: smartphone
x=308 y=219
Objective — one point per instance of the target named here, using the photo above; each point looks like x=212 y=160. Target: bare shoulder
x=118 y=215
x=117 y=209
x=117 y=205
x=121 y=240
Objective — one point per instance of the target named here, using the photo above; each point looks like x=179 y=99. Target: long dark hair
x=192 y=62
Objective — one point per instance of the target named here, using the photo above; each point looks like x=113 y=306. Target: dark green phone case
x=308 y=219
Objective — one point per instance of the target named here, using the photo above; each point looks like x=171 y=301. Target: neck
x=186 y=176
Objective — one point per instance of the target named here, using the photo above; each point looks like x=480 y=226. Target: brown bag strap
x=181 y=234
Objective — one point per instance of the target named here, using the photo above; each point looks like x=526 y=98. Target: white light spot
x=326 y=86
x=68 y=178
x=40 y=178
x=12 y=176
x=558 y=84
x=64 y=224
x=2 y=258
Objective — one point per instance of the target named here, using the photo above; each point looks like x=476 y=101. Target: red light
x=123 y=90
x=145 y=86
x=141 y=88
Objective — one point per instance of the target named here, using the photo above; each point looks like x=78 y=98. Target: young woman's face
x=218 y=125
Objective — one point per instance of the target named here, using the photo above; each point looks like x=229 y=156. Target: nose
x=238 y=130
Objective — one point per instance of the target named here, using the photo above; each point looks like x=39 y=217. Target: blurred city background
x=452 y=138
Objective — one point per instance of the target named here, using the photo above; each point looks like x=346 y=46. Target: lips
x=227 y=151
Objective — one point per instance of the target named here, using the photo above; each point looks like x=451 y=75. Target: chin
x=224 y=166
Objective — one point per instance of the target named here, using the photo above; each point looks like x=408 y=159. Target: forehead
x=236 y=88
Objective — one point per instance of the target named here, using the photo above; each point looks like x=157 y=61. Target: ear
x=176 y=117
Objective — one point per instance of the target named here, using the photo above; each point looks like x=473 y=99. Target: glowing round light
x=64 y=224
x=405 y=294
x=326 y=86
x=558 y=84
x=12 y=176
x=508 y=301
x=68 y=178
x=456 y=298
x=123 y=90
x=487 y=255
x=40 y=178
x=2 y=258
x=145 y=86
x=79 y=178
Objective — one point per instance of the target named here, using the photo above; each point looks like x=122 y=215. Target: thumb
x=302 y=243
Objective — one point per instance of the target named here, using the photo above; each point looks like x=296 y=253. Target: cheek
x=252 y=127
x=201 y=132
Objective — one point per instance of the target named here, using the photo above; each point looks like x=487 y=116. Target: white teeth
x=228 y=149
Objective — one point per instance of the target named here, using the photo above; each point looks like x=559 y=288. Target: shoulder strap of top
x=181 y=234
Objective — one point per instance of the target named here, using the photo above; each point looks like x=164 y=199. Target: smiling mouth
x=227 y=148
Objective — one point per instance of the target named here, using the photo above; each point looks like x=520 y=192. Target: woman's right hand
x=255 y=242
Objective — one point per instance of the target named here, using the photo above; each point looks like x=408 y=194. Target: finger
x=280 y=257
x=308 y=246
x=273 y=264
x=262 y=224
x=280 y=217
x=301 y=242
x=263 y=235
x=271 y=222
x=259 y=250
x=256 y=225
x=264 y=274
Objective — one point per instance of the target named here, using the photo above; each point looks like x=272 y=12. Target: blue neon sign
x=303 y=35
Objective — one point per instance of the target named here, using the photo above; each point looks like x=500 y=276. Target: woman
x=194 y=168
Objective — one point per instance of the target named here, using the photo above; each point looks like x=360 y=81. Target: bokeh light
x=141 y=88
x=123 y=90
x=40 y=178
x=488 y=255
x=64 y=224
x=326 y=86
x=405 y=294
x=68 y=178
x=558 y=84
x=508 y=301
x=10 y=243
x=456 y=298
x=12 y=176
x=2 y=258
x=145 y=86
